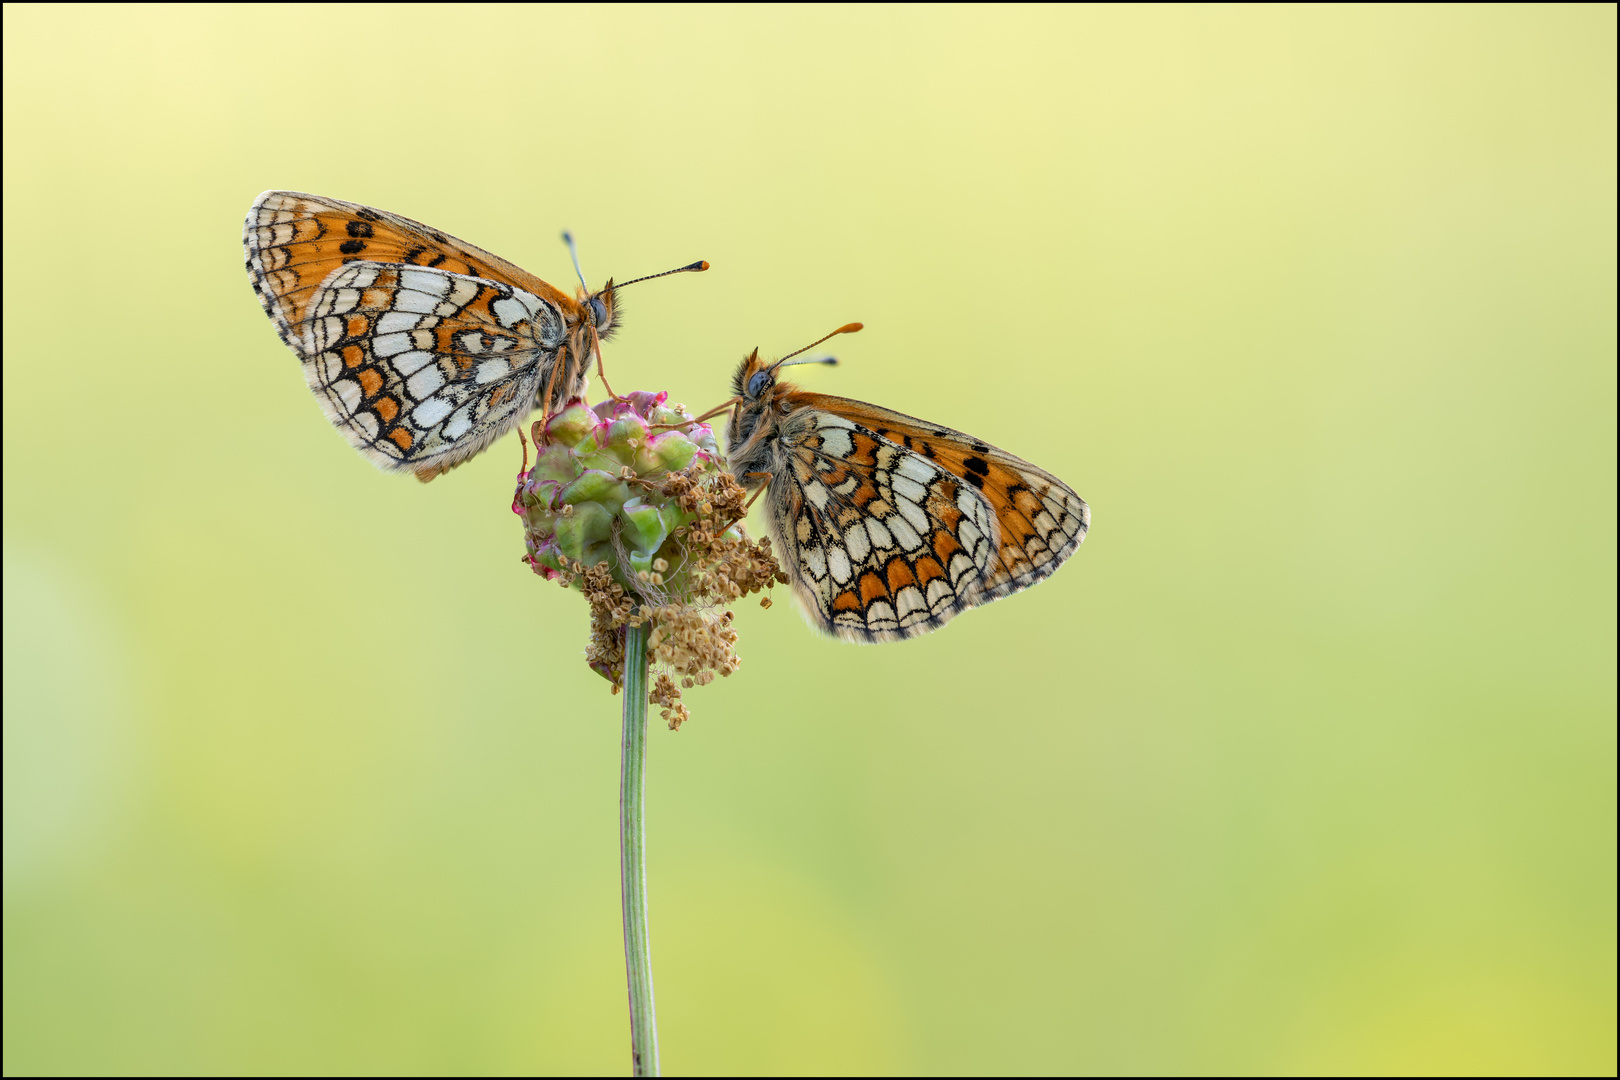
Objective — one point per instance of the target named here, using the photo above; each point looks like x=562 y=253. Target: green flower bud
x=600 y=491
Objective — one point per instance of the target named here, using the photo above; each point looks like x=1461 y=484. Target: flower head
x=628 y=502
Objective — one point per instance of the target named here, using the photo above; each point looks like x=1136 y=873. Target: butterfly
x=420 y=348
x=888 y=526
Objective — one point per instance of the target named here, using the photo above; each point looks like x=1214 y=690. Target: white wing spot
x=390 y=345
x=835 y=442
x=362 y=277
x=858 y=542
x=908 y=601
x=904 y=533
x=411 y=362
x=392 y=322
x=348 y=392
x=430 y=412
x=815 y=560
x=419 y=302
x=969 y=534
x=323 y=332
x=509 y=312
x=838 y=563
x=913 y=515
x=880 y=536
x=459 y=424
x=339 y=301
x=462 y=291
x=491 y=370
x=425 y=382
x=907 y=488
x=434 y=283
x=880 y=616
x=916 y=468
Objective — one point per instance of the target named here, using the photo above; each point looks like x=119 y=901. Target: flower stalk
x=633 y=857
x=628 y=503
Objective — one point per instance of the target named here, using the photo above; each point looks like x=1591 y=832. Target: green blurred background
x=1304 y=763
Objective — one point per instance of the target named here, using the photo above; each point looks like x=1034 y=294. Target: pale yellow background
x=1305 y=762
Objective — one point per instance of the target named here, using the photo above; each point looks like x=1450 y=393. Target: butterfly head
x=756 y=377
x=602 y=310
x=755 y=395
x=753 y=379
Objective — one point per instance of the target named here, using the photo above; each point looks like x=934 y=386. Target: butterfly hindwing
x=1040 y=519
x=420 y=368
x=881 y=543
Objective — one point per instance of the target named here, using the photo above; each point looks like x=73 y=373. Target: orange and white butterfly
x=888 y=525
x=421 y=348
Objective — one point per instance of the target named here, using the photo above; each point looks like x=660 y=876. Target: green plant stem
x=633 y=856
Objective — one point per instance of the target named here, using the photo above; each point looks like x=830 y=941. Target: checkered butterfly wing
x=891 y=525
x=421 y=348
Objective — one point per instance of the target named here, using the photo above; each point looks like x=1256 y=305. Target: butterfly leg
x=551 y=387
x=717 y=410
x=764 y=481
x=763 y=484
x=596 y=342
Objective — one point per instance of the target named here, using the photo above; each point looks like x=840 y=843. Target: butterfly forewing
x=294 y=240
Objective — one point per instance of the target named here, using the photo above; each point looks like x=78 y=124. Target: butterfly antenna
x=824 y=358
x=573 y=253
x=847 y=328
x=690 y=268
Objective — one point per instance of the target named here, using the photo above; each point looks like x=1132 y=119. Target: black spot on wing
x=352 y=247
x=360 y=229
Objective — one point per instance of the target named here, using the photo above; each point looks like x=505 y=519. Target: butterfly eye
x=599 y=314
x=758 y=383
